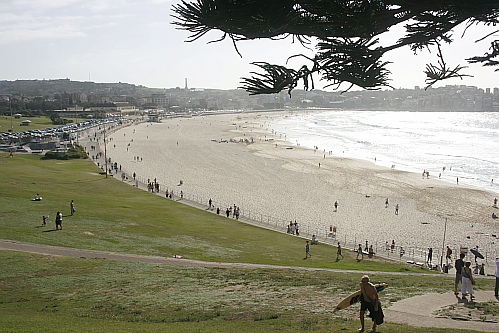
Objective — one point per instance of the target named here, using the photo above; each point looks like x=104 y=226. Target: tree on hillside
x=345 y=33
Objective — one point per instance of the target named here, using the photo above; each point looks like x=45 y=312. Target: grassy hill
x=57 y=294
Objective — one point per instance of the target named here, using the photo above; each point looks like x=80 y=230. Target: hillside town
x=97 y=100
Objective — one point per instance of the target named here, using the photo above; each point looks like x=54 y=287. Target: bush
x=76 y=152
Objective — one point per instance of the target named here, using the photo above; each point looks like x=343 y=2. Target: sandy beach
x=238 y=159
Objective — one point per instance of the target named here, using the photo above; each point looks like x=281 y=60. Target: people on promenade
x=458 y=265
x=359 y=252
x=468 y=281
x=430 y=256
x=314 y=240
x=338 y=252
x=369 y=300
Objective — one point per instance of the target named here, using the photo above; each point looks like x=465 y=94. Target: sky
x=133 y=41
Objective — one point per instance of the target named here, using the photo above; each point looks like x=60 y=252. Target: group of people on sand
x=294 y=229
x=152 y=186
x=234 y=211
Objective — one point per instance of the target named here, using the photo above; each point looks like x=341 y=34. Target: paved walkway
x=418 y=311
x=415 y=311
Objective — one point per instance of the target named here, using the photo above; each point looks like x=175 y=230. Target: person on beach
x=338 y=252
x=336 y=206
x=458 y=265
x=369 y=300
x=367 y=246
x=396 y=209
x=209 y=203
x=359 y=252
x=371 y=251
x=386 y=203
x=72 y=207
x=314 y=240
x=468 y=281
x=430 y=255
x=307 y=251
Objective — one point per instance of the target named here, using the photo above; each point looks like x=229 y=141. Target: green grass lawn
x=113 y=216
x=36 y=123
x=54 y=294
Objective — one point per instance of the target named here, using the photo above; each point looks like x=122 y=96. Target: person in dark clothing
x=458 y=265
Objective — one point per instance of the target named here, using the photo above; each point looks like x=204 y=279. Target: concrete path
x=415 y=311
x=418 y=311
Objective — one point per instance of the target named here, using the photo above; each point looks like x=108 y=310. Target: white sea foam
x=465 y=143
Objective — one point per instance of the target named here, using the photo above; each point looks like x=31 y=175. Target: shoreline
x=270 y=176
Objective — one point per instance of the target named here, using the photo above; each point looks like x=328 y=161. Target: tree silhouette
x=345 y=33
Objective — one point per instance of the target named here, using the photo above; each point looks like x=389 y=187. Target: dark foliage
x=76 y=152
x=346 y=35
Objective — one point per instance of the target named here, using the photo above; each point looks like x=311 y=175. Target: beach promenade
x=237 y=159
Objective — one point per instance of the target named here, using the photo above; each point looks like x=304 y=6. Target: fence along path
x=330 y=236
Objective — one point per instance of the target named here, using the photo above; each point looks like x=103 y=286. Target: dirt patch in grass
x=471 y=311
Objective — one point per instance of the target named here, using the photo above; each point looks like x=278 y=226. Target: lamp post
x=105 y=148
x=443 y=243
x=10 y=107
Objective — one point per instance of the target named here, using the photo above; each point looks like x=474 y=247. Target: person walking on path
x=338 y=252
x=307 y=250
x=496 y=289
x=468 y=281
x=458 y=265
x=72 y=207
x=359 y=252
x=369 y=300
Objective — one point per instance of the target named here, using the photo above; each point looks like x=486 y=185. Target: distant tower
x=186 y=88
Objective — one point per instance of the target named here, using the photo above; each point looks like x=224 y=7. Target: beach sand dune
x=238 y=159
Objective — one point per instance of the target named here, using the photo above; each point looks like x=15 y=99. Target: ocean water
x=449 y=145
